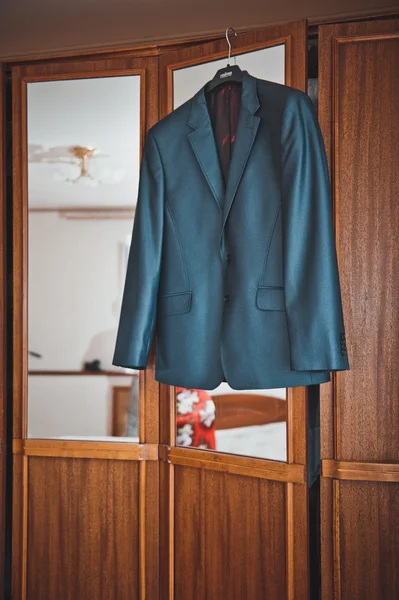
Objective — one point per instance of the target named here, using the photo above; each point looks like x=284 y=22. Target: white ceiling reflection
x=83 y=142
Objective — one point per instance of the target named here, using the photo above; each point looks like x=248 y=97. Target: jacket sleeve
x=311 y=279
x=139 y=301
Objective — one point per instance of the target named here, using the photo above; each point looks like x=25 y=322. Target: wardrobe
x=91 y=513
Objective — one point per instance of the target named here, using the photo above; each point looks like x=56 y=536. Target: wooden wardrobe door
x=3 y=437
x=232 y=526
x=85 y=507
x=359 y=115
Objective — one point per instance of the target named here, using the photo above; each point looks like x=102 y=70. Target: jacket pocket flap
x=270 y=298
x=175 y=304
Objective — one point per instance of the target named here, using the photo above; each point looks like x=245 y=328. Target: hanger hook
x=228 y=41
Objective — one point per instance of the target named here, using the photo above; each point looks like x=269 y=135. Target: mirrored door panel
x=249 y=422
x=244 y=422
x=267 y=63
x=83 y=152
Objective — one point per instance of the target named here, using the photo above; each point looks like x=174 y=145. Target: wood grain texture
x=369 y=569
x=149 y=535
x=85 y=449
x=167 y=436
x=3 y=296
x=360 y=471
x=3 y=239
x=81 y=373
x=19 y=276
x=230 y=538
x=358 y=114
x=166 y=531
x=363 y=106
x=297 y=424
x=18 y=558
x=149 y=403
x=82 y=518
x=246 y=410
x=367 y=137
x=297 y=526
x=120 y=407
x=238 y=465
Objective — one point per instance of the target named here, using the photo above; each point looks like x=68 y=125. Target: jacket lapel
x=202 y=140
x=247 y=127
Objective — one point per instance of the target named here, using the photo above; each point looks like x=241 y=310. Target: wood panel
x=85 y=515
x=149 y=530
x=238 y=465
x=82 y=516
x=113 y=450
x=3 y=279
x=367 y=138
x=167 y=437
x=372 y=509
x=19 y=496
x=230 y=537
x=359 y=115
x=363 y=147
x=361 y=471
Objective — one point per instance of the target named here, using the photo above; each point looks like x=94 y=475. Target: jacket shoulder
x=282 y=95
x=172 y=123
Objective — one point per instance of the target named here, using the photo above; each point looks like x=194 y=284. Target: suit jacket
x=238 y=277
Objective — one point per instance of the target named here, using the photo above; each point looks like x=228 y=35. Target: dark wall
x=33 y=27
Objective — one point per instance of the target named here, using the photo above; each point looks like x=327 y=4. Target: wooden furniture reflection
x=120 y=406
x=244 y=410
x=81 y=373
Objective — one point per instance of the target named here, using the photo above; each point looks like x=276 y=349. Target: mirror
x=244 y=422
x=83 y=152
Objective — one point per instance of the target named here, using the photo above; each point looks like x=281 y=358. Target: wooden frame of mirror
x=3 y=320
x=294 y=471
x=142 y=456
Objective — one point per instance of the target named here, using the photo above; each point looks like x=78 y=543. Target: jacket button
x=228 y=257
x=226 y=298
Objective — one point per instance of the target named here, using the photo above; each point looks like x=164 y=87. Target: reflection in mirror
x=244 y=422
x=253 y=422
x=267 y=63
x=83 y=170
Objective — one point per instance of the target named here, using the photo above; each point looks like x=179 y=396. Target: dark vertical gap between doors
x=314 y=392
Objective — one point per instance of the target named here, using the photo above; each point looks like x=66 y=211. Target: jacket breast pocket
x=270 y=298
x=174 y=304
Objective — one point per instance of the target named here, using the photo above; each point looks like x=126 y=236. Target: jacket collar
x=249 y=100
x=202 y=140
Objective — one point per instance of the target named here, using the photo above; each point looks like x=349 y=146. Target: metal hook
x=228 y=41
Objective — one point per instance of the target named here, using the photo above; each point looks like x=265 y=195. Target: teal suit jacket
x=238 y=280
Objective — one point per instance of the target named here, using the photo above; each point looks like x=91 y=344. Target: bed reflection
x=244 y=422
